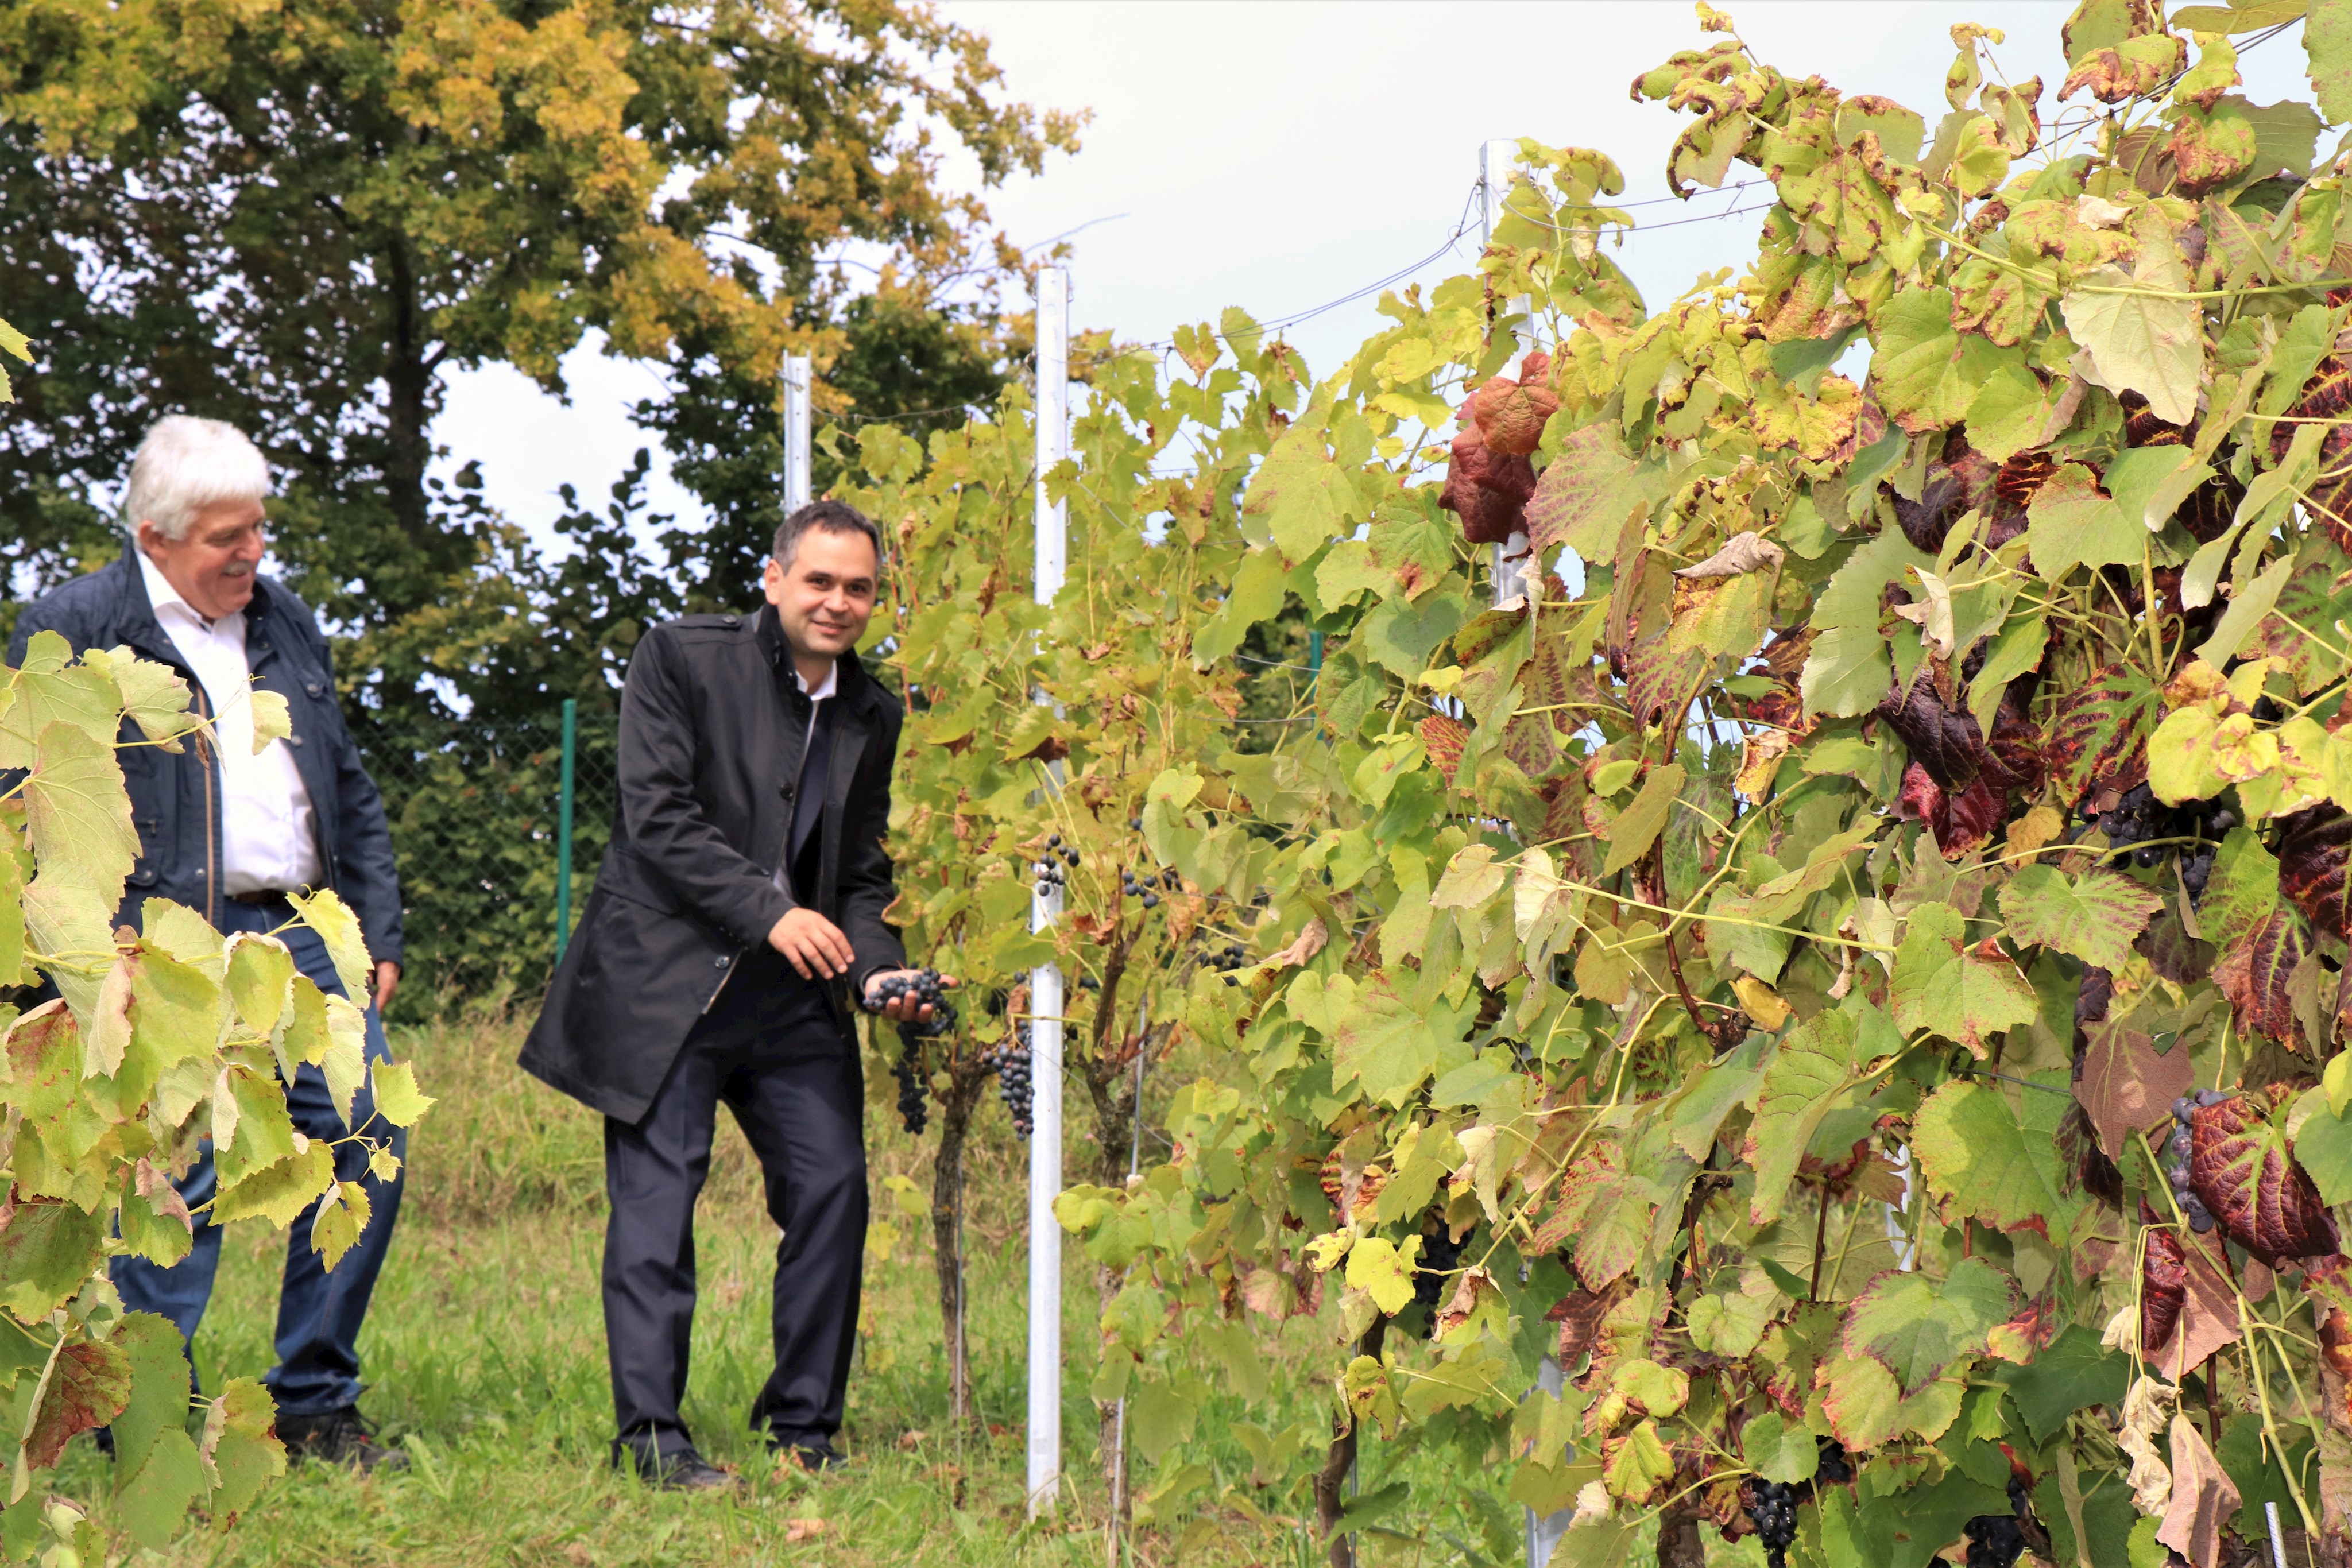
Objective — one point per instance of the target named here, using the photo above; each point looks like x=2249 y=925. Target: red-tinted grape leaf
x=2318 y=594
x=2094 y=916
x=2098 y=737
x=89 y=1388
x=2163 y=1282
x=2311 y=858
x=2241 y=1169
x=2257 y=972
x=2126 y=1086
x=1960 y=822
x=1944 y=741
x=1443 y=736
x=1915 y=1326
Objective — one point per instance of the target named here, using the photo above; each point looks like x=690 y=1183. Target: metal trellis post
x=1495 y=160
x=1045 y=1428
x=563 y=828
x=796 y=433
x=1511 y=563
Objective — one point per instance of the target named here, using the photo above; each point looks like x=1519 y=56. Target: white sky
x=1276 y=156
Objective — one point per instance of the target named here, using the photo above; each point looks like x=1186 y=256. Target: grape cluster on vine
x=914 y=1098
x=1440 y=1256
x=1999 y=1540
x=1011 y=1062
x=2139 y=817
x=1133 y=887
x=2178 y=1147
x=1050 y=873
x=1772 y=1506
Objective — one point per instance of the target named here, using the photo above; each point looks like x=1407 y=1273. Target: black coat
x=712 y=730
x=175 y=798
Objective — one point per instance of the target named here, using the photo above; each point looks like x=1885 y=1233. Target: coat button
x=786 y=791
x=721 y=964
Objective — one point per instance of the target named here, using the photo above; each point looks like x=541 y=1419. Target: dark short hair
x=832 y=518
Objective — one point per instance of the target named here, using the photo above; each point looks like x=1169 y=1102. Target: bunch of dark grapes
x=1440 y=1253
x=2176 y=1169
x=1013 y=1083
x=1995 y=1540
x=2139 y=817
x=924 y=985
x=1133 y=887
x=1049 y=872
x=1774 y=1506
x=1834 y=1466
x=914 y=1098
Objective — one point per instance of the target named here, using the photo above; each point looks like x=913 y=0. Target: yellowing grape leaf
x=2094 y=916
x=1995 y=1160
x=1965 y=992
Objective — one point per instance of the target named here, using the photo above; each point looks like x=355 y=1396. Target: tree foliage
x=1848 y=959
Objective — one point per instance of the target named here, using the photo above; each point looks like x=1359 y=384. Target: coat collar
x=853 y=688
x=135 y=621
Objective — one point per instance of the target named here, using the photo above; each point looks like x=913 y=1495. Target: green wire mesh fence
x=493 y=867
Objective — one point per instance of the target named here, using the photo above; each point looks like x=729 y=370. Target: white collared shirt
x=268 y=838
x=824 y=690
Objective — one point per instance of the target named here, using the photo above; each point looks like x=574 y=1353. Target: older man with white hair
x=229 y=832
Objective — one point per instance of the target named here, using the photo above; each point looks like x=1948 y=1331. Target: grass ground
x=485 y=1356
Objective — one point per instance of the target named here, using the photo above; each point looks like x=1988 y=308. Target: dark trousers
x=319 y=1310
x=771 y=1050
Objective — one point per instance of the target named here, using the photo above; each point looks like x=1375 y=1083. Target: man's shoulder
x=283 y=601
x=701 y=628
x=81 y=609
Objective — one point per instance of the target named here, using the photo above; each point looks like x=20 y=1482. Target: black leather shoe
x=681 y=1470
x=818 y=1458
x=337 y=1438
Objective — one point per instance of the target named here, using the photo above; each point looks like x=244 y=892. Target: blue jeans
x=318 y=1311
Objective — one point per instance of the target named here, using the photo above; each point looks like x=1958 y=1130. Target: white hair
x=187 y=463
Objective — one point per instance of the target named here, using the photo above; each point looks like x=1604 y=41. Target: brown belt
x=264 y=895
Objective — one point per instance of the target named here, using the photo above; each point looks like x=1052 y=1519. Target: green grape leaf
x=154 y=1500
x=1636 y=1464
x=79 y=813
x=2328 y=43
x=260 y=972
x=1585 y=496
x=1964 y=992
x=1779 y=1450
x=343 y=1215
x=2137 y=341
x=1916 y=363
x=332 y=919
x=2241 y=892
x=241 y=1448
x=156 y=1359
x=1813 y=1065
x=2073 y=1372
x=1847 y=669
x=1916 y=1326
x=251 y=1130
x=48 y=1250
x=1636 y=828
x=2071 y=523
x=278 y=1193
x=1995 y=1160
x=2095 y=916
x=1375 y=1264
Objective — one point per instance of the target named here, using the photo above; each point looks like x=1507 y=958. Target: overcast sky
x=1280 y=156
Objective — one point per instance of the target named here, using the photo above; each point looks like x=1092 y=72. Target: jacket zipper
x=206 y=753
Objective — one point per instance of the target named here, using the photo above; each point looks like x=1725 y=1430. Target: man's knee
x=835 y=1192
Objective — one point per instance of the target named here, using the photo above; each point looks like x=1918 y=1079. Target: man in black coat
x=738 y=909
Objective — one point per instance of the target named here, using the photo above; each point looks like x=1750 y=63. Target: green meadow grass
x=485 y=1357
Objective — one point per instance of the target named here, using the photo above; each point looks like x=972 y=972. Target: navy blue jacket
x=176 y=798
